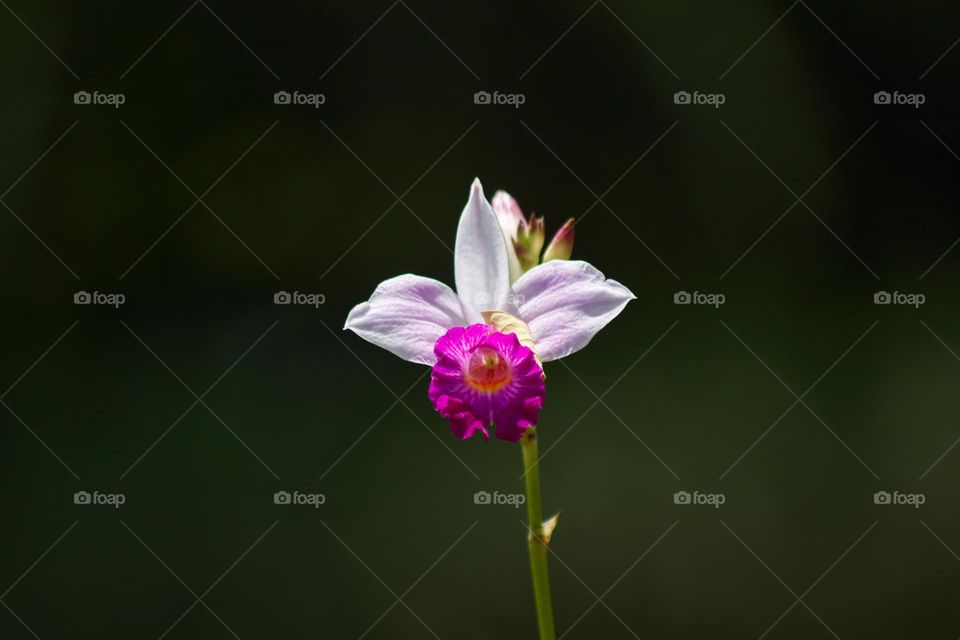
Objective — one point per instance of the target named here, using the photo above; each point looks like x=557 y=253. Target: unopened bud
x=529 y=243
x=561 y=247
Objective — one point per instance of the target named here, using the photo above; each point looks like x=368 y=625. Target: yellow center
x=487 y=371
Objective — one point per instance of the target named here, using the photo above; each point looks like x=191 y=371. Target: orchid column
x=514 y=309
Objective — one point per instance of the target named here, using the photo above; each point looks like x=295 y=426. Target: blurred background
x=799 y=198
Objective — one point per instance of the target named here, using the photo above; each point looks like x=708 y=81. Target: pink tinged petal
x=482 y=378
x=508 y=213
x=406 y=315
x=510 y=218
x=561 y=247
x=480 y=261
x=565 y=303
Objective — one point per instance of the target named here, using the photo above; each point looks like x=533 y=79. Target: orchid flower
x=510 y=313
x=515 y=308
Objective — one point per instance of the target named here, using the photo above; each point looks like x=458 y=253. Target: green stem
x=535 y=542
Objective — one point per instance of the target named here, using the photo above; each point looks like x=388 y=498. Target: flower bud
x=529 y=242
x=561 y=247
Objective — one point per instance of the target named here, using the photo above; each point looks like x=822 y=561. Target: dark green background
x=300 y=399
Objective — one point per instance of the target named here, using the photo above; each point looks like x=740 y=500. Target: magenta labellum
x=483 y=377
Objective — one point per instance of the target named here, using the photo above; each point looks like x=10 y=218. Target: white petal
x=565 y=303
x=480 y=257
x=406 y=315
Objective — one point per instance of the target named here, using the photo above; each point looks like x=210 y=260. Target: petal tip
x=351 y=317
